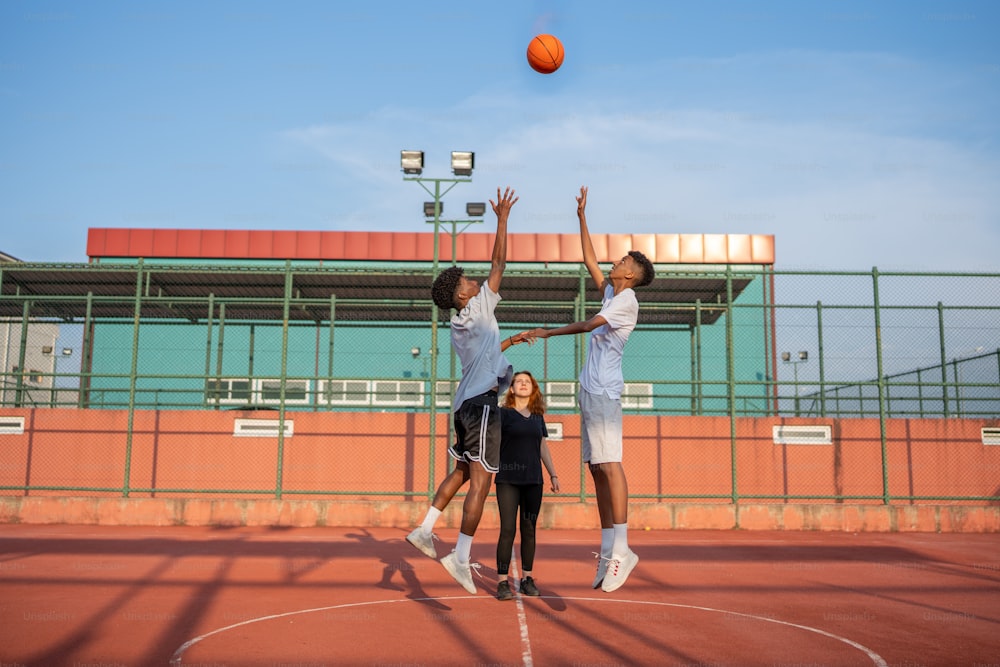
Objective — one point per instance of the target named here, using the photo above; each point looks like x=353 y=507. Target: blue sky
x=860 y=134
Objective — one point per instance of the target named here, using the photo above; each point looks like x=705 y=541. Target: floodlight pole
x=437 y=194
x=454 y=233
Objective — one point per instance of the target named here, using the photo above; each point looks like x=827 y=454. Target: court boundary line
x=527 y=659
x=877 y=660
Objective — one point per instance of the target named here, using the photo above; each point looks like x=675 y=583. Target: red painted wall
x=360 y=453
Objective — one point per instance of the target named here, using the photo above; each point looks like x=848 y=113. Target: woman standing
x=519 y=482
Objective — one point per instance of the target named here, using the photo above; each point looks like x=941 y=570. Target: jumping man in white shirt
x=486 y=373
x=601 y=385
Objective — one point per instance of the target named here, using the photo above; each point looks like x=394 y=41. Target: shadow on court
x=74 y=595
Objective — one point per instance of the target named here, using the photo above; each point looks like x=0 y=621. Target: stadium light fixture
x=412 y=162
x=462 y=162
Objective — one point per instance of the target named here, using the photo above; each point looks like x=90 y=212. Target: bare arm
x=589 y=256
x=499 y=262
x=547 y=462
x=584 y=326
x=514 y=340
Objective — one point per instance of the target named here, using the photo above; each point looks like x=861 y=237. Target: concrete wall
x=372 y=469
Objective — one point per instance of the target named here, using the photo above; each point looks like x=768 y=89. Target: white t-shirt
x=475 y=337
x=602 y=372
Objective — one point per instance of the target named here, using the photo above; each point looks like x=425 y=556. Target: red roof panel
x=237 y=244
x=418 y=246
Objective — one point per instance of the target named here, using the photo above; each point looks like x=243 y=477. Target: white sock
x=526 y=574
x=620 y=548
x=463 y=548
x=430 y=519
x=607 y=541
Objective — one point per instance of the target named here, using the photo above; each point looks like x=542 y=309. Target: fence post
x=699 y=387
x=219 y=349
x=285 y=314
x=329 y=354
x=22 y=355
x=432 y=411
x=958 y=388
x=881 y=387
x=731 y=381
x=208 y=352
x=579 y=349
x=133 y=376
x=944 y=360
x=819 y=343
x=83 y=389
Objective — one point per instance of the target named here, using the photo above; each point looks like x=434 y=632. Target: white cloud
x=845 y=189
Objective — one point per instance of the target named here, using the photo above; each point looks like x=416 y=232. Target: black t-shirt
x=521 y=447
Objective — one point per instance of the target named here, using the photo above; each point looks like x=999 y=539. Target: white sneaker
x=618 y=571
x=602 y=570
x=423 y=541
x=462 y=572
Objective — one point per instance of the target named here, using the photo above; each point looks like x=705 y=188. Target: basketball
x=545 y=53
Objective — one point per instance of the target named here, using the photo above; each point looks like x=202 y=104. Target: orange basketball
x=545 y=53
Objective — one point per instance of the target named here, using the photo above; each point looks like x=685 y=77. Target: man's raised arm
x=589 y=256
x=499 y=262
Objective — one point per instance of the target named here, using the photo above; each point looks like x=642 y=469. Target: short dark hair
x=445 y=286
x=648 y=273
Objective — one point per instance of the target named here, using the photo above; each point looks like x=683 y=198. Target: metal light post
x=412 y=165
x=475 y=211
x=65 y=352
x=786 y=357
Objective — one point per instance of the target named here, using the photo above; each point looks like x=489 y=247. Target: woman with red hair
x=519 y=482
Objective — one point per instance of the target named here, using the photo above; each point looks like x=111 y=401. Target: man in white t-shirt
x=486 y=373
x=601 y=385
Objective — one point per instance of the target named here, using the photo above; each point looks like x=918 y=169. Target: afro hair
x=445 y=285
x=648 y=273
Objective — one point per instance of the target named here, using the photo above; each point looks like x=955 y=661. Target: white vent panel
x=817 y=434
x=261 y=428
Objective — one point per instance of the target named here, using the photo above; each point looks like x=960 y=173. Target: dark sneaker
x=503 y=591
x=528 y=587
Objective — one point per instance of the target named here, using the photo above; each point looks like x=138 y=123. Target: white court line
x=522 y=618
x=875 y=657
x=872 y=655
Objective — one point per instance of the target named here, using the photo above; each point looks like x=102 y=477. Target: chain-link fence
x=90 y=353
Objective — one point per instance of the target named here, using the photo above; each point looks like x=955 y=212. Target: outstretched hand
x=521 y=338
x=581 y=201
x=504 y=201
x=532 y=334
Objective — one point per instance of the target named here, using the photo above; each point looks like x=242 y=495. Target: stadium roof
x=542 y=282
x=419 y=246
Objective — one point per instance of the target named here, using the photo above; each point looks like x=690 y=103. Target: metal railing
x=880 y=345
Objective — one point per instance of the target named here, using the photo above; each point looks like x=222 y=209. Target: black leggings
x=509 y=497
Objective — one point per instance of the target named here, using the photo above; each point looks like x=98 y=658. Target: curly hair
x=444 y=287
x=648 y=273
x=536 y=402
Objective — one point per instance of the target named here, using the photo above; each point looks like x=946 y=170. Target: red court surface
x=117 y=596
